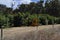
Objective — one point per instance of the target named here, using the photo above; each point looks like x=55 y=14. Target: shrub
x=58 y=20
x=4 y=21
x=44 y=17
x=26 y=19
x=33 y=20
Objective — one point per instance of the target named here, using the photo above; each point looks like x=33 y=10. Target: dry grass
x=30 y=33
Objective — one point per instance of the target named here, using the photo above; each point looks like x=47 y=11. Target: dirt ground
x=17 y=32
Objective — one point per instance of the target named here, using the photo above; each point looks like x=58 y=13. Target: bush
x=58 y=20
x=33 y=20
x=11 y=16
x=44 y=17
x=4 y=21
x=21 y=19
x=26 y=19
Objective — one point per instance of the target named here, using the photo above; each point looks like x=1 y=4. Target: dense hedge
x=26 y=19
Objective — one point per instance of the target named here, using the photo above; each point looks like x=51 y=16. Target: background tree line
x=32 y=14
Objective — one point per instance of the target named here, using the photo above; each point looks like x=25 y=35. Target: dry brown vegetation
x=31 y=33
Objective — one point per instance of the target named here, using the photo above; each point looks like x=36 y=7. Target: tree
x=53 y=7
x=2 y=8
x=32 y=7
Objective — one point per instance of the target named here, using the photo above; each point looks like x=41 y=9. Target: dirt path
x=12 y=32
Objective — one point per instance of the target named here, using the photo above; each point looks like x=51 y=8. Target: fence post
x=2 y=32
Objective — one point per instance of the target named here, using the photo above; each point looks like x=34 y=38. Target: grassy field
x=46 y=32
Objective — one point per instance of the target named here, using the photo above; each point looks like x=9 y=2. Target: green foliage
x=58 y=20
x=26 y=19
x=4 y=20
x=44 y=17
x=33 y=19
